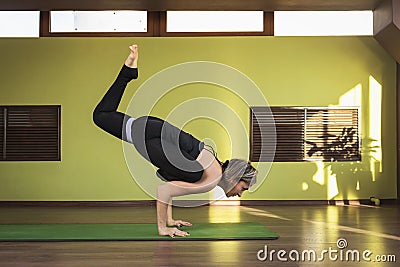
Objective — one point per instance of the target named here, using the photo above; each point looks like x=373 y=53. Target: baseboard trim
x=315 y=202
x=150 y=203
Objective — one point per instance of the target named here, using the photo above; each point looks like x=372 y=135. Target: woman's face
x=238 y=189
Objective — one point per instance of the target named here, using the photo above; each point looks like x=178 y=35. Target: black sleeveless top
x=167 y=147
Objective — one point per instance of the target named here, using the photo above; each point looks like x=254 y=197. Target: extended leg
x=105 y=114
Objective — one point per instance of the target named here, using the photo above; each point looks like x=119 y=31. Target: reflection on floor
x=346 y=229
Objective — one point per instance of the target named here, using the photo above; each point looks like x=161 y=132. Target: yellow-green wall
x=309 y=71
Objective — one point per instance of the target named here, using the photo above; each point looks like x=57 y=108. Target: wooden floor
x=302 y=228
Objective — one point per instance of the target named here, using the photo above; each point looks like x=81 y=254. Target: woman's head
x=237 y=177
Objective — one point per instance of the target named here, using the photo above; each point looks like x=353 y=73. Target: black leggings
x=105 y=114
x=172 y=150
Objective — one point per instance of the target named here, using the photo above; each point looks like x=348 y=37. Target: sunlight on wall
x=324 y=173
x=304 y=186
x=375 y=131
x=332 y=184
x=372 y=137
x=319 y=175
x=352 y=97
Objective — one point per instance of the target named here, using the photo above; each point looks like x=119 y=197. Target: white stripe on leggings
x=128 y=129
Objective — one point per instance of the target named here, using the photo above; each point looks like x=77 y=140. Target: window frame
x=156 y=27
x=152 y=28
x=268 y=19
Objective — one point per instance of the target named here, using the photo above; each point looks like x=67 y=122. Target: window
x=305 y=134
x=215 y=21
x=19 y=23
x=155 y=23
x=30 y=133
x=323 y=23
x=98 y=21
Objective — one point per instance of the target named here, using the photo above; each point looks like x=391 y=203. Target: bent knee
x=98 y=117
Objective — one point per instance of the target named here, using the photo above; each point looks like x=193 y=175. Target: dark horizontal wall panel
x=157 y=5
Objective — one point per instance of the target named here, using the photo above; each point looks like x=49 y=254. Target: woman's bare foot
x=132 y=59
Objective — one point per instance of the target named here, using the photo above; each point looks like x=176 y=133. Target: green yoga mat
x=119 y=232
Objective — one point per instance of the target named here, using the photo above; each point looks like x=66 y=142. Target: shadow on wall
x=355 y=179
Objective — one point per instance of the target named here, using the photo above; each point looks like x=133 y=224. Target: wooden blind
x=304 y=133
x=30 y=133
x=332 y=134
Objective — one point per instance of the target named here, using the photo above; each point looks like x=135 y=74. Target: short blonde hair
x=236 y=170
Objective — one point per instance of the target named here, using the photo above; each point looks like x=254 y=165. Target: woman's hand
x=178 y=223
x=172 y=232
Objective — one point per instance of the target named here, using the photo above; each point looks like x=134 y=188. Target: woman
x=186 y=164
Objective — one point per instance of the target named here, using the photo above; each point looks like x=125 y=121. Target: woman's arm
x=162 y=223
x=166 y=191
x=211 y=176
x=171 y=221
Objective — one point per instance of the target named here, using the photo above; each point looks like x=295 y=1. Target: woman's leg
x=105 y=114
